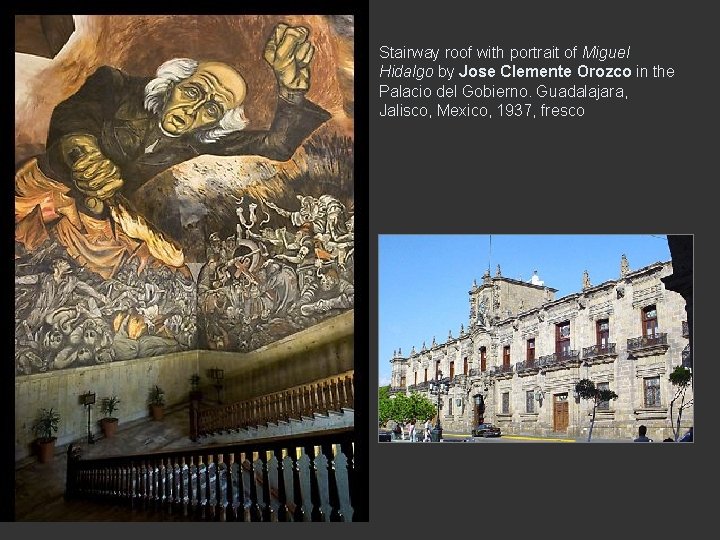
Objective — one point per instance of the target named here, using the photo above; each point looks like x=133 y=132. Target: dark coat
x=109 y=105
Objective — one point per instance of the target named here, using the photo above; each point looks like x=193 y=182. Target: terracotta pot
x=109 y=427
x=46 y=450
x=158 y=412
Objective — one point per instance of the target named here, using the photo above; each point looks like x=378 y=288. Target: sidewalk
x=466 y=437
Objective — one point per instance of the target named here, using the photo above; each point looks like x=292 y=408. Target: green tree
x=402 y=408
x=415 y=406
x=586 y=389
x=680 y=378
x=384 y=405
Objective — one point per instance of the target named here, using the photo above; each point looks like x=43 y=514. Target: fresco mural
x=193 y=194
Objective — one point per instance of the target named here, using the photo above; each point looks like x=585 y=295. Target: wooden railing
x=321 y=397
x=300 y=478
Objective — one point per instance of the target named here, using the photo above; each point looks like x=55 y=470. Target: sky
x=424 y=279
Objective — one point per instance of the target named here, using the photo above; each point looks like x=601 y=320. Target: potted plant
x=46 y=424
x=195 y=392
x=109 y=423
x=157 y=402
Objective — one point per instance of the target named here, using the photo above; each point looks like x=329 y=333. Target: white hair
x=172 y=72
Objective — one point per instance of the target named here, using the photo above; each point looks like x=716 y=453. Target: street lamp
x=438 y=388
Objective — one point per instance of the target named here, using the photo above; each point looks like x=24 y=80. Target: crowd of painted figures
x=261 y=285
x=67 y=316
x=256 y=287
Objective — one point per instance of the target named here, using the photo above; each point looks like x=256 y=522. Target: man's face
x=62 y=266
x=327 y=283
x=202 y=99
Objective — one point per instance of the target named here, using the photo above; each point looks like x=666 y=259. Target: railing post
x=334 y=499
x=230 y=510
x=267 y=512
x=347 y=448
x=299 y=512
x=162 y=480
x=255 y=514
x=213 y=495
x=71 y=473
x=283 y=513
x=177 y=486
x=316 y=514
x=350 y=386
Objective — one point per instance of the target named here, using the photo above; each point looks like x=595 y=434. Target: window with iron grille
x=530 y=351
x=652 y=391
x=425 y=374
x=562 y=338
x=402 y=381
x=437 y=369
x=530 y=401
x=603 y=405
x=452 y=369
x=465 y=366
x=483 y=358
x=416 y=377
x=450 y=406
x=506 y=356
x=506 y=403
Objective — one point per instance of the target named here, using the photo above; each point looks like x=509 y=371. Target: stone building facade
x=518 y=361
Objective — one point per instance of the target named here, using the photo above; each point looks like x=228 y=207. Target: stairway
x=318 y=422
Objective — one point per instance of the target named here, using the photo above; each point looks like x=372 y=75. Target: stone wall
x=321 y=351
x=130 y=380
x=620 y=302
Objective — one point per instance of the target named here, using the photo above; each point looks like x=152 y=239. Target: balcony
x=647 y=345
x=397 y=390
x=475 y=372
x=598 y=354
x=687 y=357
x=560 y=360
x=419 y=387
x=527 y=367
x=504 y=371
x=685 y=329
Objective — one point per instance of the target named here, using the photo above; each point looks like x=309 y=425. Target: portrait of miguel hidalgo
x=119 y=131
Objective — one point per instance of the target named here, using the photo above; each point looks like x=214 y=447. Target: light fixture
x=217 y=375
x=539 y=394
x=87 y=400
x=439 y=387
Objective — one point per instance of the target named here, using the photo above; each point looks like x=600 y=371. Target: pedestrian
x=426 y=438
x=642 y=430
x=397 y=431
x=412 y=430
x=688 y=437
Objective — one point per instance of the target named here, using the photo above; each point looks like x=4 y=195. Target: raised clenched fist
x=289 y=53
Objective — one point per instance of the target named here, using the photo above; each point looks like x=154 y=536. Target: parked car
x=486 y=430
x=384 y=435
